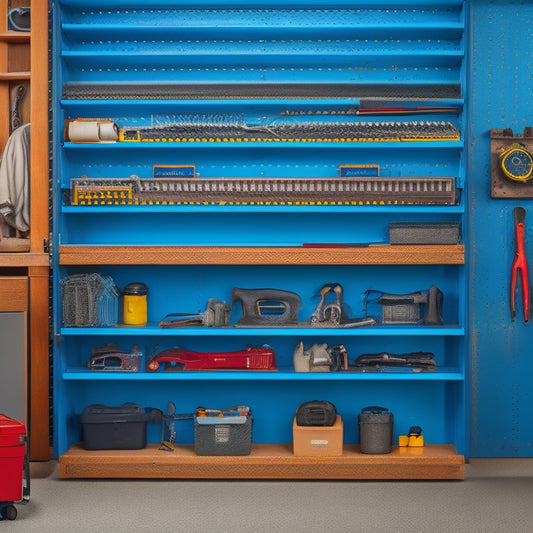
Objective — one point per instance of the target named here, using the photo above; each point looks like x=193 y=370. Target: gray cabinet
x=13 y=365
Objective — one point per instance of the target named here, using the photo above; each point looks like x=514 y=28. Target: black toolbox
x=114 y=428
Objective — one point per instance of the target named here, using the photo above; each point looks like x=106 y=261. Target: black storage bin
x=375 y=430
x=222 y=438
x=114 y=428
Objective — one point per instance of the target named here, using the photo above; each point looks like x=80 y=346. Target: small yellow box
x=311 y=441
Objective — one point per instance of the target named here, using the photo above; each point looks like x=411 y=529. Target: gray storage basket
x=223 y=439
x=375 y=430
x=89 y=300
x=424 y=232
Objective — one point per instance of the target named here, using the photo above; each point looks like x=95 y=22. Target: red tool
x=520 y=263
x=249 y=359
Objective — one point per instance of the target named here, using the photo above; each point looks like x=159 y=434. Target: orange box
x=318 y=440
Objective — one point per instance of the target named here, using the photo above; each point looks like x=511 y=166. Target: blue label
x=357 y=171
x=174 y=171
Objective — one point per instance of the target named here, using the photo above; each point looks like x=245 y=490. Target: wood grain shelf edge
x=261 y=255
x=12 y=36
x=22 y=259
x=267 y=461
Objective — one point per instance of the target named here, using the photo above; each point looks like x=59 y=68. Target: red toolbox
x=12 y=464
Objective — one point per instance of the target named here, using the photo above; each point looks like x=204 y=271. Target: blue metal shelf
x=357 y=145
x=161 y=59
x=227 y=209
x=452 y=330
x=111 y=33
x=284 y=374
x=90 y=5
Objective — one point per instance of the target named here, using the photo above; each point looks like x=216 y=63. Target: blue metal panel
x=502 y=366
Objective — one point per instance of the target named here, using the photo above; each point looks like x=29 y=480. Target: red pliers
x=520 y=263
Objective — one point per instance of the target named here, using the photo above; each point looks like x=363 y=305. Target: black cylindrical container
x=136 y=289
x=375 y=430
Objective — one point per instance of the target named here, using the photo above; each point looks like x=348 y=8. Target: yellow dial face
x=517 y=163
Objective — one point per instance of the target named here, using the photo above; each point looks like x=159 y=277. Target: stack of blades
x=240 y=91
x=231 y=128
x=263 y=191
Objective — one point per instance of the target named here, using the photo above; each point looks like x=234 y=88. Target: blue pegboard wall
x=502 y=359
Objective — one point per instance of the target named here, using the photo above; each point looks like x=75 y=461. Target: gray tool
x=405 y=308
x=320 y=358
x=216 y=314
x=417 y=360
x=267 y=307
x=330 y=314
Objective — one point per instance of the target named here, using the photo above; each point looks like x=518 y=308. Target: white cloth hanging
x=15 y=184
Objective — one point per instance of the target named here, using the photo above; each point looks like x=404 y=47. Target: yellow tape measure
x=517 y=163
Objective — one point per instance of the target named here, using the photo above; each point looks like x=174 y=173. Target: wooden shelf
x=15 y=37
x=267 y=461
x=14 y=76
x=22 y=259
x=261 y=255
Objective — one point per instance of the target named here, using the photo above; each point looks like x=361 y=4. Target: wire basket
x=89 y=300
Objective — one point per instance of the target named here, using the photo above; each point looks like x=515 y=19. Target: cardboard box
x=311 y=441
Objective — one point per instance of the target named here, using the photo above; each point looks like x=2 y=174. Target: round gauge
x=517 y=163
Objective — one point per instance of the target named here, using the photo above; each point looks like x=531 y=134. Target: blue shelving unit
x=407 y=54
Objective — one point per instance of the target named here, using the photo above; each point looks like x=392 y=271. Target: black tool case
x=114 y=428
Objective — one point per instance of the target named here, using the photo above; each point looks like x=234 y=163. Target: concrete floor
x=496 y=496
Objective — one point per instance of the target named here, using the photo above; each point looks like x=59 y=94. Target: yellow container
x=416 y=440
x=403 y=440
x=135 y=306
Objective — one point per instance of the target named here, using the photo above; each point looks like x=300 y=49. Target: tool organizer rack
x=261 y=60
